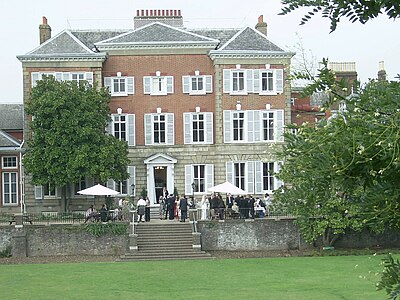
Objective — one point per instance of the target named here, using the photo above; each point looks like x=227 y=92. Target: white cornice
x=214 y=54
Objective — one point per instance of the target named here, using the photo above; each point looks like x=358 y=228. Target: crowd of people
x=211 y=207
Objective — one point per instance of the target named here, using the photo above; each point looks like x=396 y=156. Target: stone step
x=163 y=248
x=170 y=256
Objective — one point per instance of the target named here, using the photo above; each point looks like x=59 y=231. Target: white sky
x=366 y=45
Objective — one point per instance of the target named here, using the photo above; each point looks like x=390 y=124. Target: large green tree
x=68 y=140
x=343 y=173
x=355 y=10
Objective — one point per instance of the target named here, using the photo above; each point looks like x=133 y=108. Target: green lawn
x=329 y=277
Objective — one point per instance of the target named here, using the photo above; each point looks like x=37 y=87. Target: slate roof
x=7 y=140
x=11 y=117
x=157 y=33
x=223 y=35
x=250 y=39
x=83 y=43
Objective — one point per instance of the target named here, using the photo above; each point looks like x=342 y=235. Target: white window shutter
x=277 y=167
x=147 y=85
x=108 y=83
x=186 y=84
x=258 y=167
x=110 y=126
x=250 y=177
x=59 y=76
x=250 y=125
x=111 y=184
x=66 y=76
x=278 y=116
x=130 y=83
x=131 y=180
x=227 y=81
x=148 y=128
x=209 y=127
x=257 y=125
x=227 y=126
x=89 y=77
x=229 y=172
x=279 y=80
x=188 y=179
x=35 y=77
x=131 y=130
x=187 y=128
x=256 y=81
x=170 y=84
x=209 y=176
x=170 y=129
x=38 y=192
x=58 y=192
x=209 y=83
x=249 y=78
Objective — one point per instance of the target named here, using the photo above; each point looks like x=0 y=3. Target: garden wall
x=60 y=240
x=228 y=235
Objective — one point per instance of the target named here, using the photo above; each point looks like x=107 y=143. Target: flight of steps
x=164 y=240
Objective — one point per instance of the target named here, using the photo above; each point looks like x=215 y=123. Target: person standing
x=147 y=210
x=141 y=206
x=267 y=201
x=183 y=206
x=204 y=204
x=170 y=207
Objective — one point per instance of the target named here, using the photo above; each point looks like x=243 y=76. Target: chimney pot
x=44 y=20
x=142 y=12
x=175 y=13
x=179 y=12
x=147 y=12
x=137 y=13
x=261 y=19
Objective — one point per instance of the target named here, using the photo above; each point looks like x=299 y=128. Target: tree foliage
x=343 y=173
x=68 y=139
x=355 y=10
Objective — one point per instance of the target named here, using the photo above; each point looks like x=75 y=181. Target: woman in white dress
x=204 y=207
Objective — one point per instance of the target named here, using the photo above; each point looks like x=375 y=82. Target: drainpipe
x=21 y=179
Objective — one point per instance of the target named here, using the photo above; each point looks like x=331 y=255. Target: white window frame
x=130 y=130
x=253 y=126
x=253 y=176
x=7 y=199
x=208 y=179
x=238 y=80
x=166 y=85
x=47 y=191
x=5 y=158
x=128 y=81
x=187 y=84
x=62 y=76
x=150 y=119
x=189 y=120
x=127 y=183
x=252 y=81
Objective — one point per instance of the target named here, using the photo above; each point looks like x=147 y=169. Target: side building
x=197 y=107
x=11 y=141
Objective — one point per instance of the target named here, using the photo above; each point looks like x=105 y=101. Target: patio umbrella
x=227 y=187
x=98 y=190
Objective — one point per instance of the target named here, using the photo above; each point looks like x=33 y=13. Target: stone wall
x=228 y=235
x=60 y=240
x=252 y=235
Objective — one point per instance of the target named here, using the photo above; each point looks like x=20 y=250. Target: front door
x=160 y=180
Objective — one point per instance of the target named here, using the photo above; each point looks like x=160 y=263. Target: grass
x=329 y=277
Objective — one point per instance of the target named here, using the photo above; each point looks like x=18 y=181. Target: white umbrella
x=227 y=187
x=98 y=190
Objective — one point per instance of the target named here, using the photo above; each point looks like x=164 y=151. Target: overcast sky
x=364 y=44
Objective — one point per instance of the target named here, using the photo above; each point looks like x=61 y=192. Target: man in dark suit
x=183 y=206
x=170 y=206
x=229 y=201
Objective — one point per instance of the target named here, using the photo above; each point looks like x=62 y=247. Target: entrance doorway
x=160 y=181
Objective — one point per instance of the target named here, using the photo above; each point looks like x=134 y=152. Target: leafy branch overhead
x=355 y=10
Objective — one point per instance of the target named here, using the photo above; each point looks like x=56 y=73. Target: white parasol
x=98 y=190
x=227 y=187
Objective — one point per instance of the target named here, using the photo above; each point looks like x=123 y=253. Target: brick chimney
x=381 y=72
x=261 y=25
x=44 y=31
x=170 y=17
